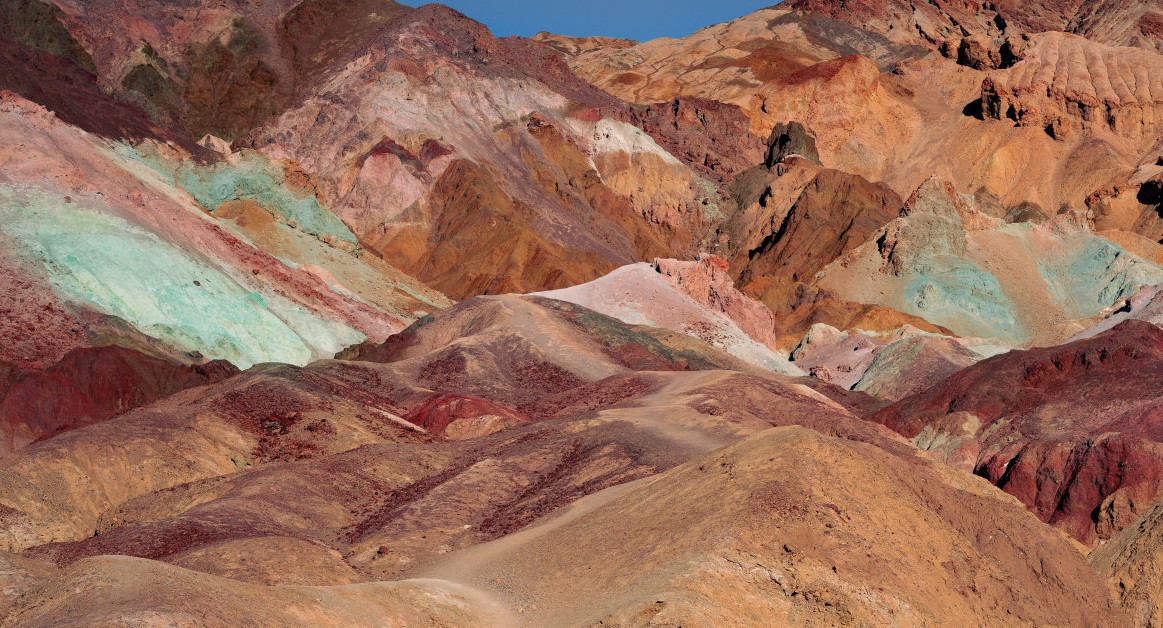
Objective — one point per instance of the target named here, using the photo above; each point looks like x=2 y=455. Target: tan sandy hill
x=283 y=495
x=786 y=528
x=1130 y=564
x=797 y=538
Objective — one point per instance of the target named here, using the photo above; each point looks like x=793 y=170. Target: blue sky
x=635 y=19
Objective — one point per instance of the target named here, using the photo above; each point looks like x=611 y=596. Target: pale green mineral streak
x=961 y=296
x=110 y=265
x=252 y=177
x=1089 y=277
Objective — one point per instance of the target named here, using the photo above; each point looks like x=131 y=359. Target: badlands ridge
x=347 y=313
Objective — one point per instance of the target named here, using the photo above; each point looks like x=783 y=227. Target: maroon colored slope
x=90 y=385
x=442 y=409
x=1073 y=431
x=711 y=137
x=72 y=93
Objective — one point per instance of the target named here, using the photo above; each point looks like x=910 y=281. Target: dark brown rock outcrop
x=73 y=94
x=787 y=139
x=834 y=214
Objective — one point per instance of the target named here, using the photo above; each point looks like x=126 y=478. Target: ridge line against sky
x=632 y=19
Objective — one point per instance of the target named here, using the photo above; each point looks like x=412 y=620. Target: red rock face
x=443 y=409
x=1073 y=431
x=90 y=385
x=36 y=328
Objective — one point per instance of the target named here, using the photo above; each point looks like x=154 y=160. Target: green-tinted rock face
x=253 y=177
x=957 y=293
x=1091 y=278
x=954 y=266
x=106 y=263
x=1082 y=274
x=943 y=285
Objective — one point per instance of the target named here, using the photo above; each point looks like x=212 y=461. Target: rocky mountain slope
x=150 y=236
x=694 y=298
x=935 y=23
x=350 y=491
x=483 y=165
x=946 y=114
x=333 y=313
x=1030 y=422
x=949 y=262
